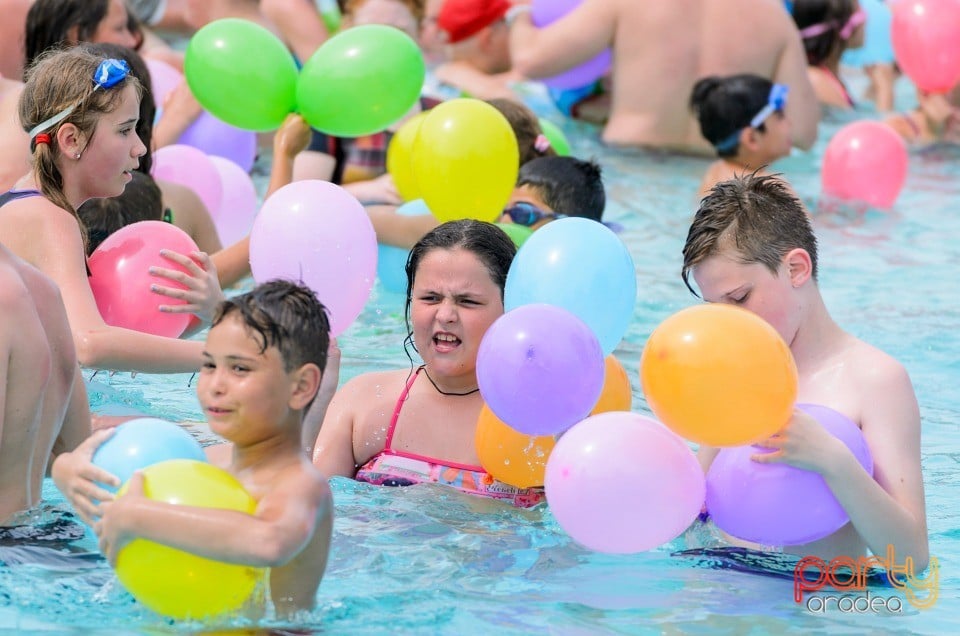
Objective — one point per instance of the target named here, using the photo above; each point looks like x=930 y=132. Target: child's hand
x=803 y=443
x=293 y=137
x=203 y=292
x=113 y=527
x=77 y=478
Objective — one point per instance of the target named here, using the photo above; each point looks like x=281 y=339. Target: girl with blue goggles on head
x=743 y=117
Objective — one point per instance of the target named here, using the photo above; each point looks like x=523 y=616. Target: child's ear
x=70 y=140
x=799 y=266
x=750 y=138
x=306 y=384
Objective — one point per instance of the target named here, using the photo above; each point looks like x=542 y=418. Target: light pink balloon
x=317 y=233
x=866 y=161
x=620 y=482
x=220 y=139
x=191 y=168
x=234 y=218
x=120 y=278
x=163 y=77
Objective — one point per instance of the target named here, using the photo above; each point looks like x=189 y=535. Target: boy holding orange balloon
x=751 y=244
x=264 y=360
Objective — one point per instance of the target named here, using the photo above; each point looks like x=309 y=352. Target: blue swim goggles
x=527 y=214
x=776 y=102
x=109 y=73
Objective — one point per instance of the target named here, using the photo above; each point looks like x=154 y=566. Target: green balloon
x=360 y=81
x=558 y=141
x=242 y=74
x=517 y=233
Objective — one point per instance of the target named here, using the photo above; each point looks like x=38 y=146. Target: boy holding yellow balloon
x=751 y=244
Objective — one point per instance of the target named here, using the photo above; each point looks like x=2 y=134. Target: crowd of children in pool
x=78 y=135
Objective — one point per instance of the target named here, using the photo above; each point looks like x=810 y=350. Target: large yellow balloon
x=466 y=160
x=400 y=158
x=513 y=457
x=719 y=375
x=176 y=583
x=616 y=394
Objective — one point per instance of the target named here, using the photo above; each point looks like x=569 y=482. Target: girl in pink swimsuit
x=828 y=29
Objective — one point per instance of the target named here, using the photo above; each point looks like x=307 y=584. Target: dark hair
x=148 y=106
x=285 y=315
x=486 y=241
x=49 y=24
x=568 y=185
x=756 y=216
x=833 y=12
x=141 y=201
x=725 y=106
x=526 y=127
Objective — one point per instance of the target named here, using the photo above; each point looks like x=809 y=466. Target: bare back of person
x=40 y=373
x=14 y=143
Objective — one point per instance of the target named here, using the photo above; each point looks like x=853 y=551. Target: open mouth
x=445 y=341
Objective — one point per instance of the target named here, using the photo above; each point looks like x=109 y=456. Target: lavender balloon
x=217 y=138
x=540 y=369
x=544 y=12
x=239 y=206
x=776 y=504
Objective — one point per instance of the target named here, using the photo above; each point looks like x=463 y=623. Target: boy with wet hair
x=553 y=187
x=264 y=360
x=751 y=244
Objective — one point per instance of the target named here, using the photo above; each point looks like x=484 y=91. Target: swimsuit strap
x=839 y=83
x=396 y=409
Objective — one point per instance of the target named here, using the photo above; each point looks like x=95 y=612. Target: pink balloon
x=234 y=218
x=318 y=233
x=865 y=161
x=220 y=139
x=620 y=482
x=191 y=168
x=926 y=42
x=120 y=278
x=163 y=77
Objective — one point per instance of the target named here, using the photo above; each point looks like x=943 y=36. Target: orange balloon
x=509 y=455
x=719 y=375
x=400 y=158
x=616 y=394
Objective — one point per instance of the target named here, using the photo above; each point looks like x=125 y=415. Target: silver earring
x=76 y=156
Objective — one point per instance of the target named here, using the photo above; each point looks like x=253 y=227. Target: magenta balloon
x=192 y=168
x=926 y=42
x=777 y=504
x=234 y=218
x=163 y=79
x=120 y=280
x=317 y=233
x=545 y=12
x=540 y=369
x=620 y=482
x=220 y=139
x=866 y=161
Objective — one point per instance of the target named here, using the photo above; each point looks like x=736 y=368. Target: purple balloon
x=777 y=504
x=544 y=12
x=239 y=206
x=220 y=139
x=540 y=369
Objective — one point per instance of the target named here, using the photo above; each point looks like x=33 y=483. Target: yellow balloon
x=512 y=457
x=175 y=583
x=616 y=394
x=466 y=160
x=719 y=375
x=400 y=158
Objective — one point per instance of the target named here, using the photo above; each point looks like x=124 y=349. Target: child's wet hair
x=141 y=201
x=756 y=218
x=570 y=186
x=285 y=315
x=807 y=13
x=526 y=126
x=725 y=105
x=59 y=23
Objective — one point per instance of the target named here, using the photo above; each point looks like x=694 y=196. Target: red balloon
x=926 y=42
x=865 y=161
x=120 y=278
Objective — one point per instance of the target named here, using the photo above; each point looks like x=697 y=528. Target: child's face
x=453 y=302
x=113 y=152
x=527 y=194
x=244 y=393
x=722 y=278
x=776 y=141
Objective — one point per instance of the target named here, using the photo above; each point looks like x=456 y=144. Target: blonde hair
x=56 y=81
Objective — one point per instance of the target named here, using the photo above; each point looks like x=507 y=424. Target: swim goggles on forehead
x=109 y=73
x=527 y=214
x=776 y=101
x=846 y=31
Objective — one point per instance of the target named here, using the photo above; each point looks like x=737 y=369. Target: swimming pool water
x=426 y=560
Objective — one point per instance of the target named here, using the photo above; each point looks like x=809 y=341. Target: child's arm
x=291 y=139
x=283 y=524
x=328 y=388
x=397 y=229
x=333 y=450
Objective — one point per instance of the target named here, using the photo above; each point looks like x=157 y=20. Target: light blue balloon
x=143 y=442
x=392 y=260
x=582 y=266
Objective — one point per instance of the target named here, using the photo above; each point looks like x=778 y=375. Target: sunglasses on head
x=527 y=214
